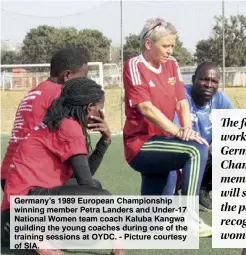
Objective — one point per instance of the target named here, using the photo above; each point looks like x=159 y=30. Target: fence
x=234 y=76
x=18 y=77
x=15 y=84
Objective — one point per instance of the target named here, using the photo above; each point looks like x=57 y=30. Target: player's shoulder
x=48 y=85
x=133 y=62
x=172 y=61
x=221 y=100
x=219 y=95
x=172 y=65
x=48 y=90
x=133 y=67
x=70 y=122
x=188 y=89
x=70 y=129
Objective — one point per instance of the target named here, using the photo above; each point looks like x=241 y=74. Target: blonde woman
x=154 y=91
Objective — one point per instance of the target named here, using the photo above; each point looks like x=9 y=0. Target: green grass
x=116 y=176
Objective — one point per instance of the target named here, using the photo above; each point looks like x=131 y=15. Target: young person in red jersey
x=65 y=64
x=58 y=148
x=153 y=92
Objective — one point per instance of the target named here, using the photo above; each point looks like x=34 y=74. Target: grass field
x=120 y=179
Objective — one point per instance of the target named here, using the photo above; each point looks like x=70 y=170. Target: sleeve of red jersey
x=136 y=89
x=179 y=85
x=71 y=140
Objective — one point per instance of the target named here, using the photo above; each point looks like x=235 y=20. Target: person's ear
x=67 y=75
x=193 y=79
x=148 y=44
x=90 y=108
x=63 y=77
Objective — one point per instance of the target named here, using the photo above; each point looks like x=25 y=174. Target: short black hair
x=203 y=64
x=68 y=59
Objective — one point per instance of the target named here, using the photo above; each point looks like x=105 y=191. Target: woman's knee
x=200 y=151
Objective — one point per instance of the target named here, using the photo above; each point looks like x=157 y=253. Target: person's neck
x=150 y=61
x=53 y=79
x=197 y=99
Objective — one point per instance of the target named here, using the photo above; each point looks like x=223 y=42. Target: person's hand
x=191 y=136
x=101 y=126
x=200 y=140
x=186 y=133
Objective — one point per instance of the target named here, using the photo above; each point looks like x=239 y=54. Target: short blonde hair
x=155 y=29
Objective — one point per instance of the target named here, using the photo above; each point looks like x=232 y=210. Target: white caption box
x=229 y=178
x=123 y=222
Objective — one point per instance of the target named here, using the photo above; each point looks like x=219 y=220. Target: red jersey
x=163 y=87
x=40 y=160
x=30 y=113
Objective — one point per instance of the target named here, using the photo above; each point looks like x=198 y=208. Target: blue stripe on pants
x=160 y=155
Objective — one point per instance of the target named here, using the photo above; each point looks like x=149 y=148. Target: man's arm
x=223 y=101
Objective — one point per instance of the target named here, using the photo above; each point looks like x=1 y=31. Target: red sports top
x=40 y=160
x=163 y=87
x=30 y=113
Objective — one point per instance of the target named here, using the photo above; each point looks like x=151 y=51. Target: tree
x=115 y=54
x=97 y=43
x=132 y=47
x=40 y=43
x=10 y=57
x=235 y=43
x=182 y=55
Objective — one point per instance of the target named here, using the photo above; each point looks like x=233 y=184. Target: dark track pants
x=69 y=189
x=160 y=155
x=206 y=179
